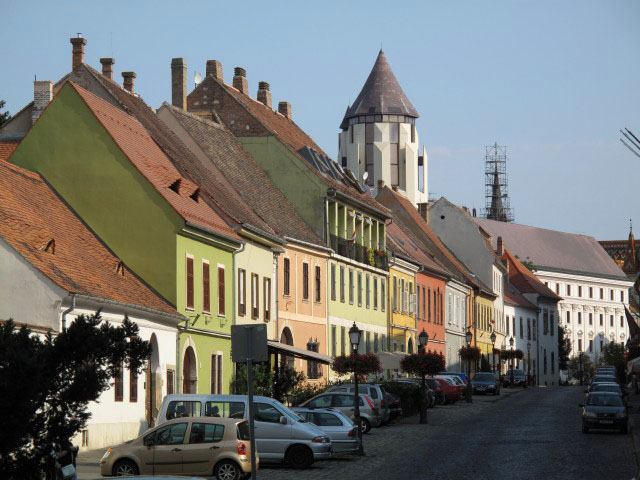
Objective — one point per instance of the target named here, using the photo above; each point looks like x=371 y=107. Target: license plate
x=606 y=422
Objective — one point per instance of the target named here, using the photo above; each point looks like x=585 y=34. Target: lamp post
x=423 y=339
x=528 y=360
x=468 y=337
x=511 y=344
x=493 y=352
x=354 y=337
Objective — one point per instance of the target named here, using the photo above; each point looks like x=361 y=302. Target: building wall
x=433 y=317
x=484 y=316
x=524 y=339
x=455 y=323
x=402 y=329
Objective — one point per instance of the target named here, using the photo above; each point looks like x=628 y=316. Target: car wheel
x=585 y=429
x=365 y=425
x=299 y=457
x=227 y=470
x=125 y=468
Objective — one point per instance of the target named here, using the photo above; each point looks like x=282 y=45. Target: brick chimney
x=42 y=95
x=127 y=82
x=107 y=67
x=77 y=52
x=264 y=95
x=240 y=80
x=500 y=249
x=381 y=184
x=285 y=109
x=179 y=83
x=423 y=210
x=214 y=67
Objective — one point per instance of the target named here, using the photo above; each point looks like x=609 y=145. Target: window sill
x=189 y=309
x=222 y=317
x=205 y=312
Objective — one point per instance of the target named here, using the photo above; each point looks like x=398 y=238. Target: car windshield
x=603 y=379
x=607 y=388
x=484 y=377
x=604 y=400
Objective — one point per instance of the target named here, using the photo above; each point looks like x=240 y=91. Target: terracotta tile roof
x=33 y=217
x=136 y=143
x=7 y=147
x=553 y=250
x=292 y=136
x=233 y=162
x=524 y=280
x=405 y=241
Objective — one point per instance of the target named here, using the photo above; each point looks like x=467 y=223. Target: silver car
x=341 y=430
x=343 y=402
x=374 y=391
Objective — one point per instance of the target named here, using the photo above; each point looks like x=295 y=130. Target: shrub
x=469 y=353
x=409 y=395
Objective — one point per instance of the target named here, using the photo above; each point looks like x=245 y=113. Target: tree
x=4 y=116
x=47 y=383
x=573 y=366
x=528 y=263
x=470 y=354
x=264 y=380
x=564 y=349
x=613 y=354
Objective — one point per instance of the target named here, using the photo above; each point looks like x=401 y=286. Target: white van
x=281 y=435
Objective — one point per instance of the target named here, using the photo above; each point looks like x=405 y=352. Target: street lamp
x=423 y=339
x=354 y=337
x=528 y=360
x=511 y=344
x=493 y=351
x=469 y=336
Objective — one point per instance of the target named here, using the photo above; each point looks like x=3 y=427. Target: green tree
x=573 y=366
x=4 y=116
x=528 y=263
x=264 y=380
x=564 y=348
x=47 y=383
x=613 y=354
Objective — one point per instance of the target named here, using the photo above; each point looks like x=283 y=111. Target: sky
x=552 y=81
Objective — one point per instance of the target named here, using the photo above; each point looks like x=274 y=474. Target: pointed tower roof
x=381 y=94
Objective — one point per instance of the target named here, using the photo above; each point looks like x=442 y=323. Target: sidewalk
x=634 y=414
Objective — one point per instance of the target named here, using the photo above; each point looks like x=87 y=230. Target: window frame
x=242 y=292
x=255 y=296
x=286 y=272
x=266 y=286
x=221 y=292
x=206 y=286
x=190 y=283
x=305 y=281
x=318 y=283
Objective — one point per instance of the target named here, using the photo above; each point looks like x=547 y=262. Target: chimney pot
x=380 y=183
x=77 y=53
x=240 y=80
x=214 y=67
x=474 y=212
x=423 y=210
x=179 y=83
x=107 y=67
x=285 y=109
x=42 y=95
x=264 y=95
x=128 y=78
x=500 y=249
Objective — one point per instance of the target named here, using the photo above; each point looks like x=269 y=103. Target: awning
x=291 y=351
x=390 y=360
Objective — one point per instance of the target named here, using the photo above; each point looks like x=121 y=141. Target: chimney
x=179 y=83
x=77 y=52
x=285 y=109
x=380 y=184
x=474 y=211
x=423 y=210
x=107 y=67
x=264 y=95
x=240 y=80
x=42 y=95
x=214 y=67
x=500 y=249
x=128 y=80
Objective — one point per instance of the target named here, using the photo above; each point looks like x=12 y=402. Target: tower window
x=420 y=172
x=394 y=135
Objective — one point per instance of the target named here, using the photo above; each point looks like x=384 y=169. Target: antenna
x=198 y=78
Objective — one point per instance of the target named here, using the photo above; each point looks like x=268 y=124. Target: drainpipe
x=178 y=370
x=68 y=311
x=331 y=193
x=275 y=287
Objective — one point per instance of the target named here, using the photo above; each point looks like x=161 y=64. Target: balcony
x=360 y=253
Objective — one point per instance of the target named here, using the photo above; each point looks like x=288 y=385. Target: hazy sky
x=554 y=81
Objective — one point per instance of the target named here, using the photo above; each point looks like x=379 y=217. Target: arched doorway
x=153 y=383
x=410 y=346
x=189 y=372
x=287 y=338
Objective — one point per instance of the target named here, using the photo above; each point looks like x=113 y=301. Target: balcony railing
x=360 y=253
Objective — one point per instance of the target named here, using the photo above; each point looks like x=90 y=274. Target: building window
x=424 y=303
x=621 y=322
x=528 y=329
x=383 y=343
x=375 y=293
x=190 y=283
x=206 y=292
x=133 y=386
x=118 y=384
x=359 y=289
x=333 y=281
x=171 y=375
x=420 y=166
x=507 y=325
x=580 y=345
x=611 y=294
x=590 y=346
x=318 y=284
x=375 y=343
x=352 y=287
x=394 y=136
x=601 y=320
x=514 y=327
x=590 y=318
x=255 y=296
x=590 y=292
x=221 y=310
x=534 y=329
x=342 y=336
x=242 y=292
x=545 y=361
x=622 y=296
x=216 y=374
x=602 y=294
x=551 y=322
x=341 y=283
x=395 y=294
x=287 y=276
x=579 y=318
x=267 y=299
x=568 y=290
x=611 y=320
x=521 y=329
x=333 y=340
x=429 y=305
x=418 y=302
x=558 y=288
x=435 y=306
x=367 y=287
x=383 y=297
x=568 y=316
x=580 y=290
x=312 y=367
x=553 y=362
x=305 y=281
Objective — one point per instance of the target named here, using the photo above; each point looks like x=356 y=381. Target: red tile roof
x=7 y=147
x=513 y=297
x=33 y=217
x=145 y=154
x=411 y=248
x=524 y=280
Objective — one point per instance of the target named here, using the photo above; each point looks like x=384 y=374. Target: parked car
x=281 y=435
x=343 y=402
x=431 y=397
x=341 y=430
x=438 y=391
x=604 y=410
x=451 y=391
x=185 y=446
x=462 y=387
x=460 y=375
x=375 y=392
x=603 y=379
x=393 y=404
x=484 y=382
x=518 y=379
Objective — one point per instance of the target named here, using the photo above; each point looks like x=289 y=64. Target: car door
x=202 y=448
x=272 y=437
x=164 y=455
x=344 y=403
x=321 y=401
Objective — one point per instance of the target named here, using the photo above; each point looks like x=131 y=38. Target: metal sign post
x=249 y=344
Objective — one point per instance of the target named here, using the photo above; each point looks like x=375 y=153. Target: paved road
x=532 y=434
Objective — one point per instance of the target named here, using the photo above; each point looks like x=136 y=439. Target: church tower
x=379 y=140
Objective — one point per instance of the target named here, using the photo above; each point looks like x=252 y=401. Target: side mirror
x=283 y=420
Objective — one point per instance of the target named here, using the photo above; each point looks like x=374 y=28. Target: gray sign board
x=249 y=342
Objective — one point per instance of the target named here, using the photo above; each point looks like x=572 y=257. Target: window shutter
x=221 y=291
x=206 y=300
x=287 y=273
x=189 y=282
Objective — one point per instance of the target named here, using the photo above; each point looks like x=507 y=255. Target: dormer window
x=175 y=186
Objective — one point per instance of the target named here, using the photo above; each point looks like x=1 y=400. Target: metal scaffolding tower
x=496 y=205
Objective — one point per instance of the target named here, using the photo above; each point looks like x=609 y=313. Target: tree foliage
x=4 y=116
x=573 y=366
x=360 y=364
x=516 y=354
x=470 y=353
x=564 y=348
x=46 y=384
x=265 y=379
x=613 y=354
x=422 y=364
x=528 y=263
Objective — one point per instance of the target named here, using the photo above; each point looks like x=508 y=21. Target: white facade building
x=457 y=294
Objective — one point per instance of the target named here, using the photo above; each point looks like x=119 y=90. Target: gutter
x=308 y=244
x=129 y=305
x=275 y=287
x=68 y=311
x=361 y=204
x=211 y=232
x=254 y=232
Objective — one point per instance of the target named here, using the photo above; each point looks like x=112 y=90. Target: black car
x=485 y=383
x=515 y=379
x=604 y=410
